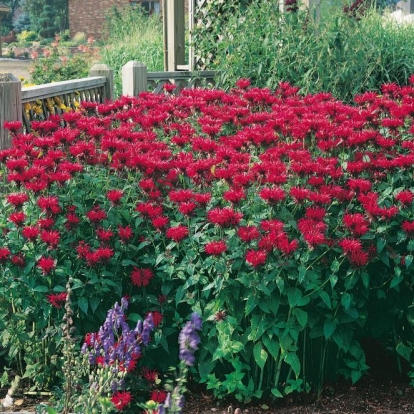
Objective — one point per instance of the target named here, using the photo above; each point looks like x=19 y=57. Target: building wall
x=88 y=16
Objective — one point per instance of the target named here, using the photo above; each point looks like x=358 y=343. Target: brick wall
x=88 y=16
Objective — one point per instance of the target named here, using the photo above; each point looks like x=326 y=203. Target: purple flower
x=189 y=339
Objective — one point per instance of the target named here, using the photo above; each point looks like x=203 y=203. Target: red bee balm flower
x=96 y=214
x=17 y=199
x=121 y=399
x=46 y=264
x=158 y=396
x=177 y=233
x=57 y=299
x=215 y=248
x=114 y=196
x=125 y=233
x=4 y=254
x=256 y=258
x=141 y=277
x=17 y=218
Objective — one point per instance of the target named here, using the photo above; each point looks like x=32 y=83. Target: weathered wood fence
x=26 y=104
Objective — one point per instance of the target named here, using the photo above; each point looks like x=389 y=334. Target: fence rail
x=26 y=104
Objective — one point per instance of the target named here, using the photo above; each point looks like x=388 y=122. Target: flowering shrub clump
x=285 y=221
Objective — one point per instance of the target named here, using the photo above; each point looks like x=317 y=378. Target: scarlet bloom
x=125 y=233
x=104 y=235
x=17 y=218
x=114 y=196
x=359 y=258
x=45 y=223
x=18 y=260
x=57 y=299
x=4 y=254
x=30 y=233
x=158 y=396
x=17 y=199
x=405 y=197
x=272 y=195
x=49 y=204
x=256 y=258
x=177 y=233
x=408 y=226
x=248 y=233
x=121 y=399
x=96 y=214
x=72 y=220
x=50 y=237
x=243 y=83
x=215 y=248
x=150 y=375
x=160 y=222
x=141 y=277
x=224 y=217
x=157 y=318
x=234 y=196
x=350 y=245
x=46 y=264
x=187 y=208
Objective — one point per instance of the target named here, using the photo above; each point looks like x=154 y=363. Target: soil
x=370 y=395
x=18 y=67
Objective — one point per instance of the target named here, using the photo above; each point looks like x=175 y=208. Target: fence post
x=100 y=69
x=10 y=105
x=134 y=78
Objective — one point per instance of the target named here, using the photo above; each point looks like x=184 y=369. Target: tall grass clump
x=131 y=34
x=332 y=52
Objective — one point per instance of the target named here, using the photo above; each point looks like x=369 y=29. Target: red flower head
x=17 y=218
x=158 y=396
x=243 y=83
x=17 y=199
x=150 y=375
x=256 y=258
x=187 y=208
x=125 y=233
x=18 y=260
x=141 y=277
x=114 y=196
x=248 y=233
x=215 y=248
x=121 y=399
x=49 y=204
x=224 y=217
x=104 y=235
x=405 y=197
x=160 y=222
x=157 y=318
x=96 y=214
x=177 y=233
x=30 y=233
x=57 y=299
x=4 y=254
x=45 y=223
x=50 y=237
x=46 y=264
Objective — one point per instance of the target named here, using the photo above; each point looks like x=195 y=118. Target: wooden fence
x=26 y=104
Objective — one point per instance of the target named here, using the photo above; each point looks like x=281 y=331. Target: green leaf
x=326 y=299
x=41 y=289
x=302 y=273
x=346 y=300
x=381 y=243
x=83 y=304
x=335 y=266
x=410 y=245
x=250 y=305
x=333 y=279
x=396 y=280
x=404 y=351
x=94 y=302
x=260 y=355
x=408 y=260
x=292 y=359
x=365 y=279
x=329 y=328
x=294 y=297
x=272 y=345
x=276 y=393
x=301 y=317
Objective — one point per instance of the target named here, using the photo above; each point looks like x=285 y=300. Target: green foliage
x=26 y=36
x=327 y=51
x=132 y=35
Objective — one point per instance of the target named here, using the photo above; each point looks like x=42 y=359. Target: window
x=149 y=6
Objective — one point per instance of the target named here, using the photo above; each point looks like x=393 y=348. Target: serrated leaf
x=272 y=345
x=251 y=303
x=94 y=302
x=326 y=299
x=381 y=243
x=292 y=359
x=41 y=289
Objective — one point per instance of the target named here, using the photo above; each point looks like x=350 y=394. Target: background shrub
x=333 y=53
x=132 y=35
